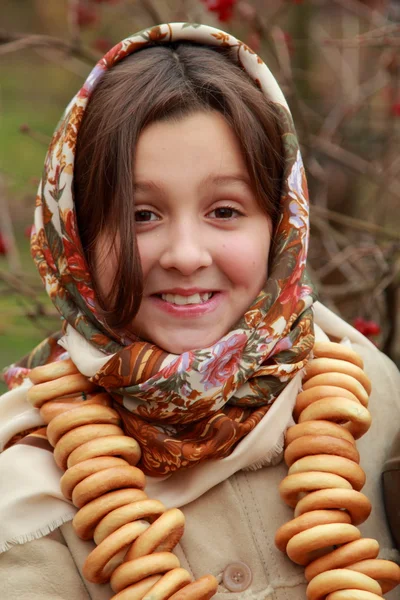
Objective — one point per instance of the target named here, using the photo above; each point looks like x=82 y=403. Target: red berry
x=289 y=41
x=28 y=231
x=85 y=16
x=396 y=109
x=3 y=246
x=372 y=328
x=224 y=8
x=360 y=324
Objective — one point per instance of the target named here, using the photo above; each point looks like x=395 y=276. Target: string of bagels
x=135 y=535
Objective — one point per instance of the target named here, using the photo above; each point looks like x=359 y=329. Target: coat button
x=237 y=577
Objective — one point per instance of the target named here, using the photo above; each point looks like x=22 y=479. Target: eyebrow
x=219 y=180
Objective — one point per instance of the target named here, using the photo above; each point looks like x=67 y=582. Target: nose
x=186 y=249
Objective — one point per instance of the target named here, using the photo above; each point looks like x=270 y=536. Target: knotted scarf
x=196 y=406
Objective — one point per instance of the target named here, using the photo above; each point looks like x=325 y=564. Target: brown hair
x=159 y=83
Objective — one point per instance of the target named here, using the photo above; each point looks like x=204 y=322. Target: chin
x=189 y=344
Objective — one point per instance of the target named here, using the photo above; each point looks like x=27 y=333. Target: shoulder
x=384 y=375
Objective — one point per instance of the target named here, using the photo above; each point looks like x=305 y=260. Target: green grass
x=18 y=334
x=33 y=92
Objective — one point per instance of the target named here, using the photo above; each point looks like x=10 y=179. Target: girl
x=171 y=232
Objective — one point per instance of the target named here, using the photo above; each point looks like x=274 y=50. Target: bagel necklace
x=135 y=535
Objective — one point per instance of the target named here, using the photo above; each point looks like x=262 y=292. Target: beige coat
x=233 y=522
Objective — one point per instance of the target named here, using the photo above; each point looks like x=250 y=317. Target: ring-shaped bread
x=318 y=444
x=306 y=521
x=147 y=509
x=40 y=393
x=203 y=588
x=295 y=484
x=102 y=482
x=79 y=472
x=170 y=583
x=341 y=380
x=51 y=409
x=137 y=591
x=320 y=366
x=162 y=535
x=386 y=572
x=356 y=417
x=132 y=571
x=112 y=445
x=318 y=428
x=77 y=417
x=88 y=517
x=307 y=397
x=52 y=371
x=353 y=595
x=76 y=437
x=356 y=503
x=302 y=548
x=340 y=579
x=99 y=565
x=328 y=463
x=339 y=558
x=335 y=350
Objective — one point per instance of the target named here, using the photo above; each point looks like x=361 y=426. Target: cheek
x=245 y=261
x=149 y=253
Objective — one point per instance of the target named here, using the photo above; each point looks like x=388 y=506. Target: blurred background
x=338 y=63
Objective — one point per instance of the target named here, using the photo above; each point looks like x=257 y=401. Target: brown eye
x=144 y=216
x=224 y=213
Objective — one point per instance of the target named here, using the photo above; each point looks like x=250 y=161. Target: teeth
x=182 y=300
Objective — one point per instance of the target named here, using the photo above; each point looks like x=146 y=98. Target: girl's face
x=202 y=237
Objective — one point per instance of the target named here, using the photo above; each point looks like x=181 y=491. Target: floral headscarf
x=196 y=406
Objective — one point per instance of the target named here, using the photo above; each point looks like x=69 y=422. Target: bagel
x=161 y=536
x=356 y=504
x=87 y=518
x=76 y=437
x=363 y=548
x=318 y=444
x=353 y=595
x=317 y=428
x=99 y=566
x=76 y=474
x=327 y=463
x=40 y=393
x=306 y=521
x=303 y=546
x=334 y=350
x=169 y=583
x=307 y=397
x=293 y=485
x=52 y=371
x=340 y=579
x=77 y=417
x=145 y=509
x=341 y=380
x=60 y=405
x=138 y=590
x=201 y=589
x=340 y=410
x=319 y=366
x=112 y=445
x=386 y=572
x=145 y=566
x=99 y=483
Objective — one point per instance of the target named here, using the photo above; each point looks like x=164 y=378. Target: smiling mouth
x=179 y=300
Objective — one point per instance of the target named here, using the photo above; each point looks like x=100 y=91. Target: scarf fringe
x=272 y=458
x=39 y=533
